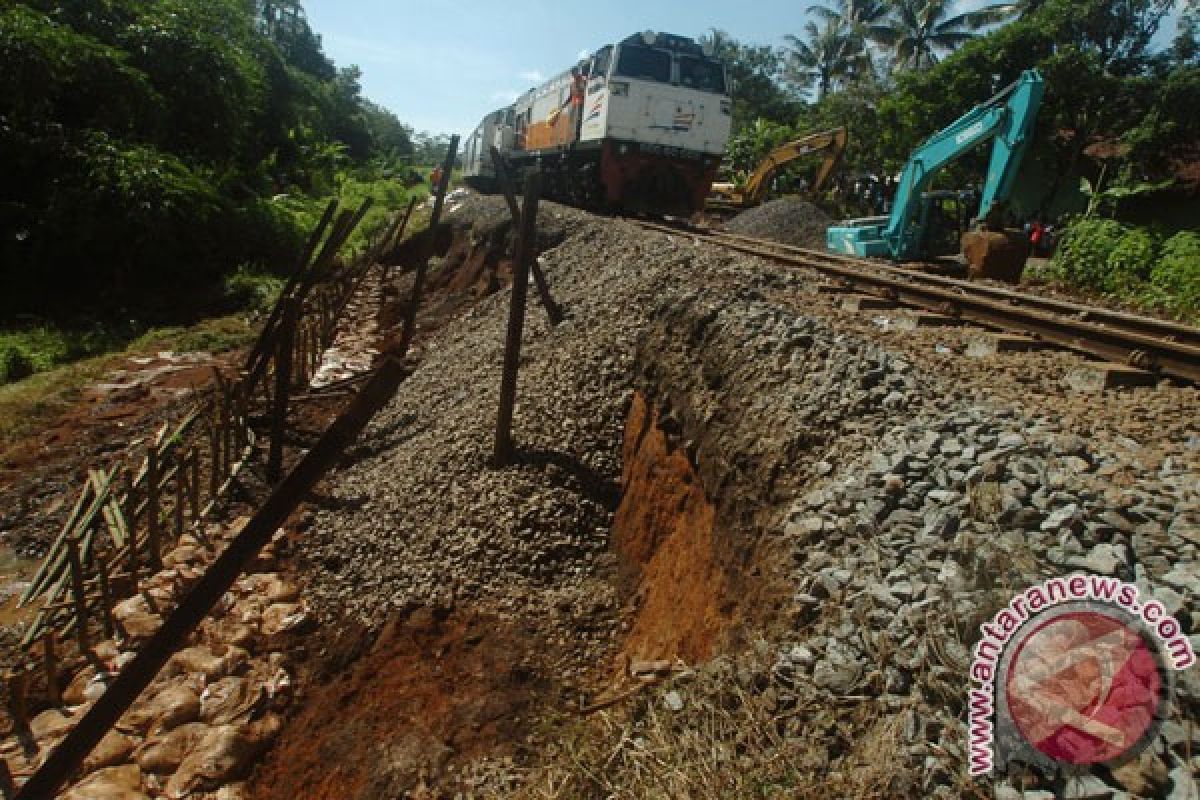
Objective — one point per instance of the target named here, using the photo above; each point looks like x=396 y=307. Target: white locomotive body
x=639 y=126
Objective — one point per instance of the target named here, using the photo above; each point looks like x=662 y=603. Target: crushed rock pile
x=789 y=220
x=915 y=513
x=422 y=519
x=906 y=508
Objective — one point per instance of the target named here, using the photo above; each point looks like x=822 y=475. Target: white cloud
x=584 y=54
x=533 y=76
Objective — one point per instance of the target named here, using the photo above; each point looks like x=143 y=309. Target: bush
x=15 y=364
x=252 y=288
x=1130 y=262
x=1083 y=254
x=1176 y=275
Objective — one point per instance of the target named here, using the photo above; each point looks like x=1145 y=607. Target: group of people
x=871 y=193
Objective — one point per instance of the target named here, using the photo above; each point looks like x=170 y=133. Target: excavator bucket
x=998 y=255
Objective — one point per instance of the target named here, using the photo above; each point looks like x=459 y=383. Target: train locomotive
x=638 y=127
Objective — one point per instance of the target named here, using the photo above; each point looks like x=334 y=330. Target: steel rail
x=1063 y=324
x=1149 y=326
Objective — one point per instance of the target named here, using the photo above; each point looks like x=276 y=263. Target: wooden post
x=526 y=252
x=553 y=310
x=214 y=441
x=50 y=663
x=80 y=595
x=18 y=699
x=226 y=430
x=180 y=492
x=410 y=313
x=153 y=509
x=106 y=602
x=8 y=789
x=283 y=380
x=194 y=483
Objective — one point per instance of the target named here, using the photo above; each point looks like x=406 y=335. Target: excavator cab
x=1007 y=119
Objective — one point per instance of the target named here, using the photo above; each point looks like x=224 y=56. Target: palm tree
x=827 y=56
x=867 y=18
x=920 y=31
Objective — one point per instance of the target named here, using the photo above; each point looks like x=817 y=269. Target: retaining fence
x=125 y=518
x=126 y=526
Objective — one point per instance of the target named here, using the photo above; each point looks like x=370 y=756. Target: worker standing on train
x=578 y=92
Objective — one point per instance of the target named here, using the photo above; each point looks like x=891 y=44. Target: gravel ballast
x=910 y=490
x=789 y=220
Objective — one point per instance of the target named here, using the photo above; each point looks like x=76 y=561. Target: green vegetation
x=27 y=405
x=164 y=160
x=1118 y=115
x=1132 y=263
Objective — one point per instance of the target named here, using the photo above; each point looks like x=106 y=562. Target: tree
x=920 y=32
x=756 y=81
x=1103 y=84
x=865 y=19
x=828 y=57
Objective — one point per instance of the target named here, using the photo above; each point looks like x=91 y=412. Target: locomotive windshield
x=701 y=73
x=693 y=71
x=645 y=63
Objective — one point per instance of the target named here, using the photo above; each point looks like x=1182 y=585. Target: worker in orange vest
x=578 y=92
x=435 y=178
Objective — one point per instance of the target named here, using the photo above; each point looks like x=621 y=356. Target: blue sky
x=440 y=65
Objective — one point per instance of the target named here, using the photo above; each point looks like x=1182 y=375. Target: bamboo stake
x=180 y=497
x=153 y=520
x=106 y=603
x=50 y=663
x=80 y=595
x=194 y=483
x=283 y=377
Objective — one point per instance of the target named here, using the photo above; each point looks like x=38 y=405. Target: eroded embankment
x=714 y=473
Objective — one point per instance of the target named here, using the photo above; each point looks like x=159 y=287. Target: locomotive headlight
x=727 y=107
x=619 y=88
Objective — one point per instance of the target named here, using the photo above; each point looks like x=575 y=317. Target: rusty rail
x=1143 y=342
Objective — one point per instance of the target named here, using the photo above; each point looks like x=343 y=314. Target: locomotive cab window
x=646 y=63
x=702 y=74
x=601 y=62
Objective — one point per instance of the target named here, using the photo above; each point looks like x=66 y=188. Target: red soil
x=664 y=533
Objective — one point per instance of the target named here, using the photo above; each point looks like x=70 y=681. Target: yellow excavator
x=754 y=192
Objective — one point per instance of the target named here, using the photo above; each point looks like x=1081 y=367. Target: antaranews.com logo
x=1075 y=671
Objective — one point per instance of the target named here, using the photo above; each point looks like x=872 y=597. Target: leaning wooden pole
x=526 y=253
x=410 y=313
x=553 y=310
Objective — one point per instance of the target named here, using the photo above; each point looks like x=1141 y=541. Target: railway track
x=1158 y=346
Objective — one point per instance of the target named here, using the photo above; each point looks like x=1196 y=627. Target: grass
x=29 y=404
x=44 y=367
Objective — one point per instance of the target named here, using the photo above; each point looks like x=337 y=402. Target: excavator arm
x=831 y=142
x=1007 y=118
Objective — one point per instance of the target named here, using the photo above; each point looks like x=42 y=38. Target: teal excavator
x=1008 y=119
